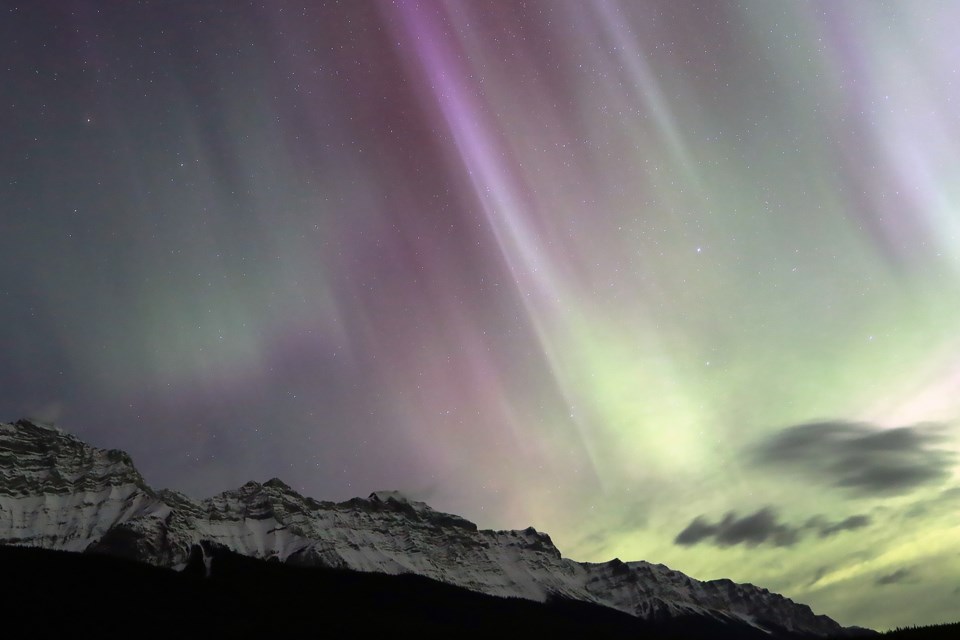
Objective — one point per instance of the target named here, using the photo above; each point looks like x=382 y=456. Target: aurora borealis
x=675 y=281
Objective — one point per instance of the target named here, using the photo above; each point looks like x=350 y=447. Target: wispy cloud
x=762 y=527
x=861 y=458
x=898 y=576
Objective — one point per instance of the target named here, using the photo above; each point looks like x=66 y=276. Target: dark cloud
x=900 y=575
x=754 y=529
x=761 y=527
x=849 y=524
x=862 y=458
x=696 y=532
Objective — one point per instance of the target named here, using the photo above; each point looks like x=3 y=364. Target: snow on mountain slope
x=57 y=492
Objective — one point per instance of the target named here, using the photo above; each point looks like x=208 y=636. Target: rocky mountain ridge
x=57 y=492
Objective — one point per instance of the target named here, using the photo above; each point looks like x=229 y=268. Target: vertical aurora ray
x=490 y=170
x=594 y=378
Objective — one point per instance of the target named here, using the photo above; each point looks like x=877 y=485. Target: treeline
x=949 y=631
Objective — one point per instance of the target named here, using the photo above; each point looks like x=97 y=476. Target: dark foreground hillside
x=53 y=593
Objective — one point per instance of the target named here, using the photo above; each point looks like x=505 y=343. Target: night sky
x=675 y=281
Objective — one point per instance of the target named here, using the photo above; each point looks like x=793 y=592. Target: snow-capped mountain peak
x=57 y=492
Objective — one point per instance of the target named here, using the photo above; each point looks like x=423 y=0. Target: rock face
x=56 y=492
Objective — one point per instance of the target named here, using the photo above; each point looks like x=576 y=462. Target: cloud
x=849 y=524
x=761 y=527
x=900 y=575
x=751 y=530
x=861 y=458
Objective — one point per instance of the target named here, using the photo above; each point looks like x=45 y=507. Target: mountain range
x=58 y=493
